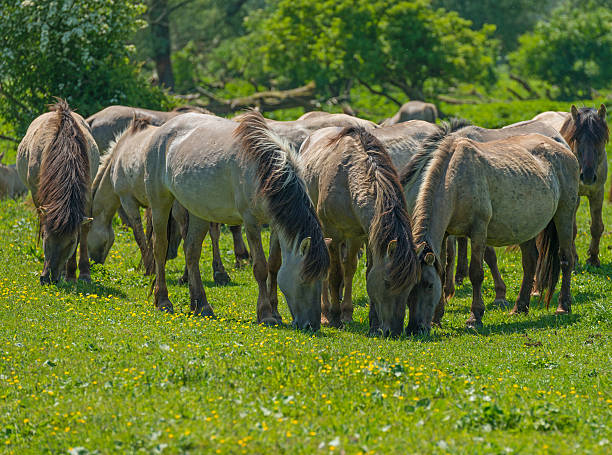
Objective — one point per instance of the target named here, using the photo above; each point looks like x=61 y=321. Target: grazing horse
x=480 y=134
x=56 y=160
x=498 y=193
x=120 y=183
x=413 y=110
x=233 y=173
x=586 y=131
x=11 y=185
x=354 y=185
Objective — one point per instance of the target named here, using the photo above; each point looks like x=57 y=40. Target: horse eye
x=429 y=285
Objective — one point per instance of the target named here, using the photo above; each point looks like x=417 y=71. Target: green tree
x=76 y=50
x=385 y=45
x=572 y=51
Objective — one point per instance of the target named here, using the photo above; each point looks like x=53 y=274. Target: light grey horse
x=413 y=110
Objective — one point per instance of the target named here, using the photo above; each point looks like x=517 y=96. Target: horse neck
x=433 y=208
x=105 y=200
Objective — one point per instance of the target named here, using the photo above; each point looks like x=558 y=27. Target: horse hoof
x=501 y=303
x=593 y=261
x=221 y=278
x=473 y=324
x=206 y=312
x=269 y=321
x=458 y=281
x=346 y=317
x=85 y=278
x=183 y=281
x=335 y=322
x=561 y=311
x=516 y=311
x=166 y=307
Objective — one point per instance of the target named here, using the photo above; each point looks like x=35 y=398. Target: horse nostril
x=581 y=176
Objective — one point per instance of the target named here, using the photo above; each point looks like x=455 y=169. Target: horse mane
x=426 y=151
x=434 y=172
x=64 y=173
x=589 y=124
x=280 y=184
x=138 y=123
x=391 y=221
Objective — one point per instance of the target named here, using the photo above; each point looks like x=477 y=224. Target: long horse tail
x=391 y=221
x=64 y=174
x=548 y=265
x=281 y=186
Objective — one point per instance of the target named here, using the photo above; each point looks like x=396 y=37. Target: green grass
x=96 y=367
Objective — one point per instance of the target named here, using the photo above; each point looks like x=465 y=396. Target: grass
x=94 y=369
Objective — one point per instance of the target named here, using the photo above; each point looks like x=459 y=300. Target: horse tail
x=548 y=265
x=64 y=187
x=282 y=188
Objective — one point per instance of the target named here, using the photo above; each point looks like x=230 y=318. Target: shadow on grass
x=81 y=287
x=174 y=281
x=513 y=326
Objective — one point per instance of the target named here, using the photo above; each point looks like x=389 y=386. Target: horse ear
x=304 y=246
x=86 y=220
x=391 y=247
x=420 y=249
x=601 y=112
x=2 y=154
x=574 y=111
x=328 y=241
x=430 y=258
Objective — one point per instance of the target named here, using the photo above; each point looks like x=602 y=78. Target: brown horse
x=413 y=110
x=476 y=190
x=233 y=173
x=354 y=185
x=57 y=160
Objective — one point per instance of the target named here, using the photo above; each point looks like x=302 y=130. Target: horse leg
x=500 y=287
x=161 y=216
x=349 y=266
x=597 y=227
x=476 y=277
x=574 y=250
x=132 y=212
x=449 y=281
x=196 y=232
x=84 y=272
x=334 y=316
x=274 y=263
x=462 y=262
x=565 y=236
x=529 y=259
x=219 y=274
x=71 y=267
x=265 y=315
x=240 y=250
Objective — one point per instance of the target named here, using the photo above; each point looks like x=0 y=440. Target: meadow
x=93 y=368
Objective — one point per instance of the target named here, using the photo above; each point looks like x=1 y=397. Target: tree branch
x=379 y=92
x=8 y=138
x=13 y=100
x=525 y=85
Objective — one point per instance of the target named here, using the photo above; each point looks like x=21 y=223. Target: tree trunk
x=159 y=22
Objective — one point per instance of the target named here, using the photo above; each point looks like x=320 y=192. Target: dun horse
x=120 y=183
x=354 y=185
x=11 y=185
x=476 y=190
x=224 y=172
x=56 y=160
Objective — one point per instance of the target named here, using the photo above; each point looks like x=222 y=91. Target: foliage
x=93 y=368
x=74 y=50
x=573 y=50
x=405 y=45
x=510 y=17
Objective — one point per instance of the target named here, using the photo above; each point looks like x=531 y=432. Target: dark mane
x=280 y=184
x=590 y=126
x=391 y=221
x=425 y=153
x=64 y=174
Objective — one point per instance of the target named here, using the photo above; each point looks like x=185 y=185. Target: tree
x=383 y=44
x=74 y=50
x=572 y=51
x=510 y=17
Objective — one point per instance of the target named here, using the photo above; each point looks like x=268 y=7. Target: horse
x=413 y=110
x=11 y=185
x=480 y=134
x=358 y=197
x=233 y=173
x=57 y=160
x=586 y=131
x=476 y=190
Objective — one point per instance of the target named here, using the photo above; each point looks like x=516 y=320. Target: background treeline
x=287 y=56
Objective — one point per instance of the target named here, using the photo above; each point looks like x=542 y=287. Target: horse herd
x=326 y=184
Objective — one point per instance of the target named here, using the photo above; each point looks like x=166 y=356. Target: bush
x=573 y=50
x=74 y=50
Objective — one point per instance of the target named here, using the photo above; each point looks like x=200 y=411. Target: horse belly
x=208 y=193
